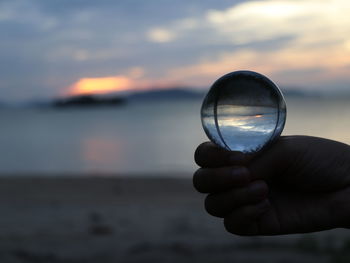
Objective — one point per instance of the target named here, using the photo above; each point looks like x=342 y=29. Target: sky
x=51 y=48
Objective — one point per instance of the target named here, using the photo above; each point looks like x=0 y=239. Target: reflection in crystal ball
x=243 y=111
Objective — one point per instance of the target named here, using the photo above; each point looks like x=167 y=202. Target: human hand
x=300 y=184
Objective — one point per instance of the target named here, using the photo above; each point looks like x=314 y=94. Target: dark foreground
x=104 y=219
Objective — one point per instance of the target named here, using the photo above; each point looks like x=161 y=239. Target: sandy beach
x=131 y=219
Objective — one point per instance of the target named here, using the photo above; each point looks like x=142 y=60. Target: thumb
x=276 y=159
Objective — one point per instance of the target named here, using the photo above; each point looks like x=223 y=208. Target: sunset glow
x=87 y=86
x=72 y=51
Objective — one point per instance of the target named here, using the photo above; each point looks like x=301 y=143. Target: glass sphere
x=243 y=111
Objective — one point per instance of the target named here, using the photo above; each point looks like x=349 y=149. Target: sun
x=89 y=86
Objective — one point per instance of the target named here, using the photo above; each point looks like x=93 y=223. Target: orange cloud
x=331 y=63
x=110 y=84
x=86 y=86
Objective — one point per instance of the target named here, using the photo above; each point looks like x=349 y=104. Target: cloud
x=133 y=79
x=136 y=72
x=264 y=20
x=160 y=35
x=319 y=68
x=24 y=13
x=316 y=35
x=259 y=20
x=48 y=45
x=164 y=35
x=103 y=85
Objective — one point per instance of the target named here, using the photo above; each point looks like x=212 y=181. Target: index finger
x=208 y=155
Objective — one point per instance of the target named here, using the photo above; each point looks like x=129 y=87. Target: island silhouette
x=119 y=99
x=88 y=101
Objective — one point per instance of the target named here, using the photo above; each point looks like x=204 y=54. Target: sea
x=136 y=139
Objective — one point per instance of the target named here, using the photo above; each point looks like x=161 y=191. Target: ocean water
x=153 y=138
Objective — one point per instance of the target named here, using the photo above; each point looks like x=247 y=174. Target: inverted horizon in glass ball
x=243 y=111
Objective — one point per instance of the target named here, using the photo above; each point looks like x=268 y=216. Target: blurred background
x=168 y=54
x=114 y=89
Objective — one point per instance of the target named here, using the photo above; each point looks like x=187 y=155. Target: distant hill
x=165 y=94
x=169 y=94
x=117 y=100
x=87 y=101
x=190 y=94
x=299 y=93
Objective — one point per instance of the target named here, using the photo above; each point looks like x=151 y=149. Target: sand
x=130 y=219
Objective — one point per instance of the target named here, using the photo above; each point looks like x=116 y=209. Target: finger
x=244 y=220
x=209 y=155
x=222 y=204
x=211 y=180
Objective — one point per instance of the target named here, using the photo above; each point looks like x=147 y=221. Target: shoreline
x=132 y=219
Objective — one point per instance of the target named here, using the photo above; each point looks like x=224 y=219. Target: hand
x=300 y=184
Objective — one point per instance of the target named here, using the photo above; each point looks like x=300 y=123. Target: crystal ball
x=243 y=111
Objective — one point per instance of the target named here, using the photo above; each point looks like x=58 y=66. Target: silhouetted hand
x=300 y=184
